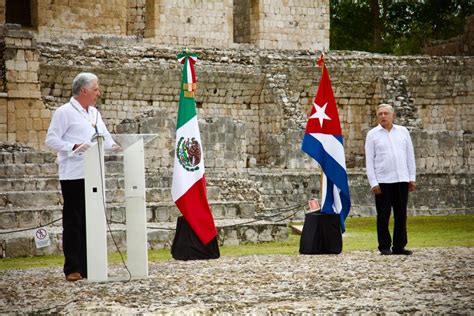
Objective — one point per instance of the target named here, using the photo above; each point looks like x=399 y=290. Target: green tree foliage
x=402 y=27
x=351 y=26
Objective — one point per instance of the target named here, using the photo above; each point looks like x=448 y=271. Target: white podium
x=132 y=146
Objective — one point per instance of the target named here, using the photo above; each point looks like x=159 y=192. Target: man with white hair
x=72 y=125
x=391 y=170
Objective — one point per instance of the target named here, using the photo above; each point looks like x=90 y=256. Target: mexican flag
x=189 y=184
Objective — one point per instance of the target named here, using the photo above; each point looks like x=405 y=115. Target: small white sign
x=42 y=238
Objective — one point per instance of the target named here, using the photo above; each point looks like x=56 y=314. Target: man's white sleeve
x=369 y=161
x=55 y=133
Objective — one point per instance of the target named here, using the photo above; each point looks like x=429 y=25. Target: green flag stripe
x=187 y=106
x=186 y=111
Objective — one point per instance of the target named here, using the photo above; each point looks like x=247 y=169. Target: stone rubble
x=433 y=280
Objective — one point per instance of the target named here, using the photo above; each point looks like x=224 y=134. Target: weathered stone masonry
x=253 y=105
x=270 y=24
x=252 y=101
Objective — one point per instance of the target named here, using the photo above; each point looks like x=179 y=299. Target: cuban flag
x=323 y=142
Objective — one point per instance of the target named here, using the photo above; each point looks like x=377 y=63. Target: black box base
x=321 y=234
x=187 y=246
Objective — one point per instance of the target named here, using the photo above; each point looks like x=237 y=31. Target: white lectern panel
x=137 y=245
x=96 y=234
x=135 y=203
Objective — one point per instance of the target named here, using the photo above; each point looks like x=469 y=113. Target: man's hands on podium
x=116 y=148
x=79 y=149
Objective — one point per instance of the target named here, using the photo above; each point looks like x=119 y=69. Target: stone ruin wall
x=22 y=115
x=270 y=24
x=282 y=24
x=185 y=23
x=71 y=20
x=293 y=24
x=245 y=11
x=136 y=18
x=271 y=95
x=252 y=106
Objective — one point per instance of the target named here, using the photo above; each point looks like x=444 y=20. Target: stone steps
x=160 y=235
x=47 y=192
x=33 y=215
x=30 y=196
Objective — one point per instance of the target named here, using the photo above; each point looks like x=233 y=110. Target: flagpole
x=321 y=184
x=320 y=63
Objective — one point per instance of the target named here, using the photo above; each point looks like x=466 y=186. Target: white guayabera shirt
x=389 y=156
x=71 y=124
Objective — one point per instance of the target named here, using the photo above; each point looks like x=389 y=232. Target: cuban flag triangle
x=188 y=189
x=323 y=142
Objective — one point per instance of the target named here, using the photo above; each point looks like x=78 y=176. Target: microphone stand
x=97 y=136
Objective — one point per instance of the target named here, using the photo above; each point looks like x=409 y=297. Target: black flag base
x=321 y=234
x=187 y=246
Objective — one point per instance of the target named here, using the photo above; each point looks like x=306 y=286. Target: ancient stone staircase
x=30 y=197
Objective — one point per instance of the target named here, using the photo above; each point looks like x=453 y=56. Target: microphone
x=97 y=134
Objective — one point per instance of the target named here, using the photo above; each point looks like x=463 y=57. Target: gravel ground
x=433 y=280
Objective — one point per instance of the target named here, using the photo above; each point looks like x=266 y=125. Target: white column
x=96 y=234
x=137 y=244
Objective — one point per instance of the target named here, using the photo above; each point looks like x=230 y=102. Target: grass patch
x=423 y=231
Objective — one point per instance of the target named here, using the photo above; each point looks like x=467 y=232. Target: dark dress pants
x=74 y=227
x=394 y=195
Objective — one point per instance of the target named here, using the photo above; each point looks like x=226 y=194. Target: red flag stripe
x=194 y=207
x=325 y=95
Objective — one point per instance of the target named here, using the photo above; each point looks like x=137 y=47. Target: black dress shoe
x=385 y=252
x=404 y=252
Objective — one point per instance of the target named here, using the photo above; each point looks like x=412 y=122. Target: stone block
x=249 y=234
x=27 y=219
x=7 y=219
x=265 y=233
x=33 y=169
x=10 y=65
x=20 y=65
x=162 y=215
x=231 y=211
x=280 y=233
x=49 y=169
x=228 y=237
x=14 y=170
x=19 y=247
x=30 y=55
x=11 y=137
x=217 y=212
x=117 y=214
x=116 y=240
x=33 y=199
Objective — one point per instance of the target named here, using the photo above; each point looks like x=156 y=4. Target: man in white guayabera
x=391 y=170
x=70 y=132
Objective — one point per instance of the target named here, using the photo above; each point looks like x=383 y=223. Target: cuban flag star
x=323 y=141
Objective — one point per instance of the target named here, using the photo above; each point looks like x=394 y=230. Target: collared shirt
x=71 y=124
x=389 y=156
